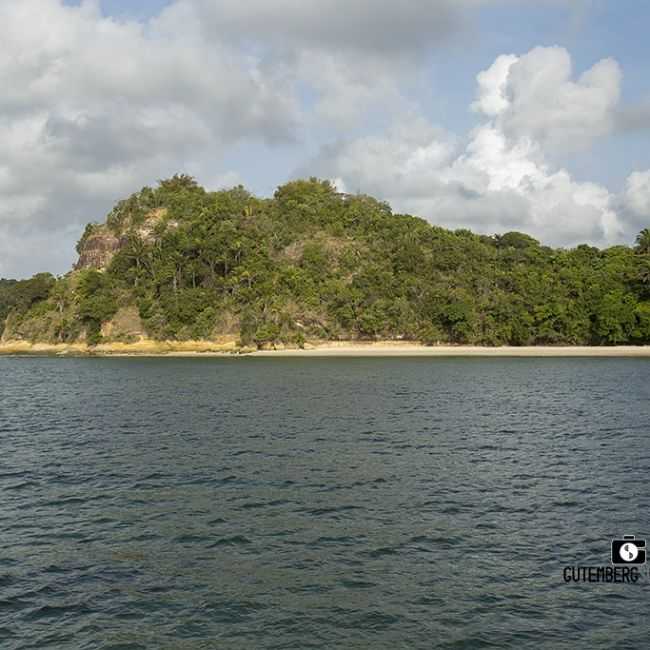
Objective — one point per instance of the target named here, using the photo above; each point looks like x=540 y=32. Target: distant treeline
x=311 y=263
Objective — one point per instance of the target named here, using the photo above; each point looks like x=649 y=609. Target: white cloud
x=491 y=186
x=534 y=96
x=635 y=200
x=493 y=86
x=501 y=179
x=352 y=56
x=92 y=109
x=76 y=64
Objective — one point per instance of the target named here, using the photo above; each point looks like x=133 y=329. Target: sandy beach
x=390 y=349
x=229 y=347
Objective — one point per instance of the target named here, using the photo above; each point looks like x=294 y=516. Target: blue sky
x=590 y=30
x=380 y=97
x=140 y=9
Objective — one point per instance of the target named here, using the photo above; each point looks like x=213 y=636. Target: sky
x=493 y=115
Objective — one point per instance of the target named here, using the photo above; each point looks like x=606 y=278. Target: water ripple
x=335 y=503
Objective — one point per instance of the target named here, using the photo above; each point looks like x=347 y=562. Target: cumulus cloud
x=634 y=202
x=534 y=96
x=93 y=108
x=500 y=177
x=353 y=56
x=490 y=185
x=493 y=86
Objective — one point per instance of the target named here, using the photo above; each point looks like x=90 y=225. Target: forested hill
x=177 y=262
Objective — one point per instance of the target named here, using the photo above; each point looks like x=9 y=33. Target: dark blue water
x=337 y=503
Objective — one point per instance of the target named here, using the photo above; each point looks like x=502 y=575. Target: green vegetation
x=23 y=296
x=313 y=264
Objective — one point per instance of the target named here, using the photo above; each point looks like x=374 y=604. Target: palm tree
x=644 y=273
x=643 y=242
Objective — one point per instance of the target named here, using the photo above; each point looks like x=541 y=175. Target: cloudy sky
x=496 y=115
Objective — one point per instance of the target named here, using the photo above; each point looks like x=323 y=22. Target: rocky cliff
x=97 y=248
x=101 y=242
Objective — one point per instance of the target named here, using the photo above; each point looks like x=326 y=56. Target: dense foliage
x=21 y=295
x=312 y=263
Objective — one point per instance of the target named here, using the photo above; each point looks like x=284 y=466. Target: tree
x=643 y=242
x=96 y=303
x=312 y=263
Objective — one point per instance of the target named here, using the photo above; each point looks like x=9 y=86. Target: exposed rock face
x=98 y=249
x=100 y=246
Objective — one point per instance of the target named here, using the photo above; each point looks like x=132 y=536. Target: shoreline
x=229 y=348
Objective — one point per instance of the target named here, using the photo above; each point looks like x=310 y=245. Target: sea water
x=332 y=503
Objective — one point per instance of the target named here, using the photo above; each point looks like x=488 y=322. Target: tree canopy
x=311 y=263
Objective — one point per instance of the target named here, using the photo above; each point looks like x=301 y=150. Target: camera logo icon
x=628 y=550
